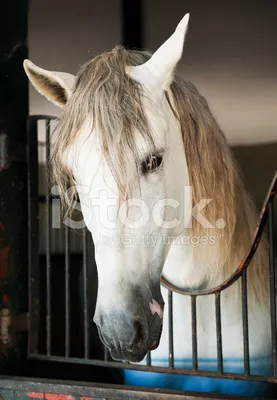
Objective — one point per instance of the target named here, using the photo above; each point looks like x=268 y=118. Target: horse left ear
x=159 y=69
x=57 y=87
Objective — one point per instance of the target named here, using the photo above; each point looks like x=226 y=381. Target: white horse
x=160 y=194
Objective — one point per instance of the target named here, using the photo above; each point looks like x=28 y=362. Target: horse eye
x=151 y=163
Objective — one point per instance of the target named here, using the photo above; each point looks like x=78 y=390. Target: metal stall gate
x=55 y=335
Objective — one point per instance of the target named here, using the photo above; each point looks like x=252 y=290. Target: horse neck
x=183 y=267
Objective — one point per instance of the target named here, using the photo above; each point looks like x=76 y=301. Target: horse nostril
x=138 y=334
x=138 y=328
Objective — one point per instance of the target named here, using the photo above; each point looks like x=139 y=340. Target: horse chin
x=127 y=356
x=138 y=356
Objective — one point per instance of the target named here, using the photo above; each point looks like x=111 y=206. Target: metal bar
x=245 y=322
x=170 y=331
x=5 y=158
x=175 y=371
x=85 y=278
x=194 y=334
x=48 y=251
x=132 y=27
x=33 y=251
x=148 y=359
x=272 y=288
x=106 y=354
x=39 y=117
x=42 y=198
x=218 y=332
x=67 y=293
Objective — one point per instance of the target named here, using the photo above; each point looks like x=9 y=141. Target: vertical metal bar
x=218 y=332
x=170 y=330
x=272 y=288
x=132 y=23
x=148 y=358
x=194 y=334
x=33 y=212
x=48 y=255
x=106 y=354
x=85 y=278
x=245 y=323
x=67 y=293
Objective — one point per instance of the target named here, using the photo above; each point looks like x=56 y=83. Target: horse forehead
x=158 y=114
x=85 y=151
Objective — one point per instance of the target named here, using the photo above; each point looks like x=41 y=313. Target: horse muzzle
x=138 y=350
x=133 y=342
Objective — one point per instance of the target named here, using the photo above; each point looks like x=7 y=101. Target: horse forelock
x=108 y=98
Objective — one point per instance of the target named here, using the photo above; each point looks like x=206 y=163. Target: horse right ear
x=57 y=87
x=157 y=73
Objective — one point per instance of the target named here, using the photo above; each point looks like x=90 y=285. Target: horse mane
x=107 y=97
x=214 y=174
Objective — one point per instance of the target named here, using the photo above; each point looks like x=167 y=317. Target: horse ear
x=159 y=69
x=57 y=87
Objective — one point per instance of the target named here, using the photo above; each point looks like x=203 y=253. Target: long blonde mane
x=112 y=101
